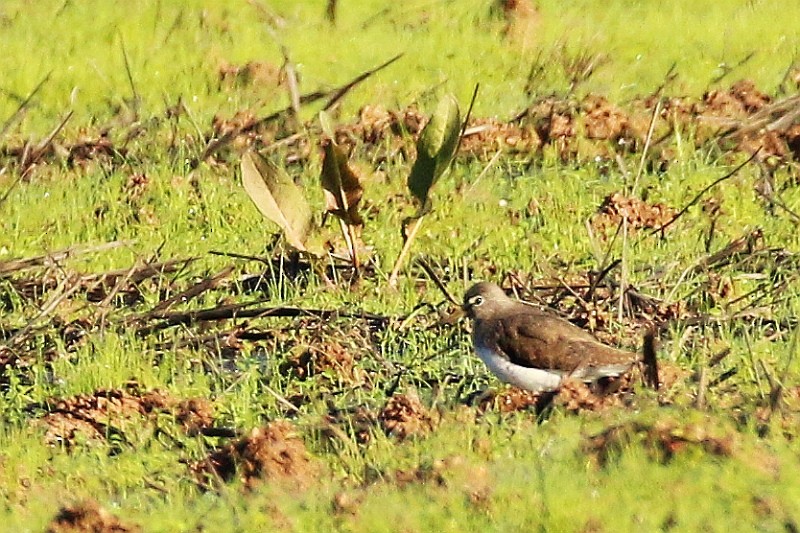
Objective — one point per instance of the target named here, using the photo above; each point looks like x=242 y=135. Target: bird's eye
x=476 y=301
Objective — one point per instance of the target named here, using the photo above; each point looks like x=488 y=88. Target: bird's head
x=483 y=300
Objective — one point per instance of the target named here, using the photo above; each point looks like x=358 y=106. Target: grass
x=497 y=471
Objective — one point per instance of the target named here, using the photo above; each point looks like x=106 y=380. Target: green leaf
x=436 y=147
x=341 y=185
x=278 y=198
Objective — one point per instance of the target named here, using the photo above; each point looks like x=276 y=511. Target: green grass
x=534 y=473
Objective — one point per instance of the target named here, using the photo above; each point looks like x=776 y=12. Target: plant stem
x=350 y=240
x=404 y=252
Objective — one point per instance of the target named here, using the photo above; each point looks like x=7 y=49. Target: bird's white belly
x=532 y=379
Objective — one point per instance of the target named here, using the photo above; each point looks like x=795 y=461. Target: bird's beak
x=450 y=315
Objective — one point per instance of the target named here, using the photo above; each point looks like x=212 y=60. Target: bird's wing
x=539 y=340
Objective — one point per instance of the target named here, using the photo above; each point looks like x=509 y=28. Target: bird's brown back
x=534 y=339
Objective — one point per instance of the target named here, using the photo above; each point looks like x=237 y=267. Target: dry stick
x=285 y=141
x=466 y=118
x=10 y=120
x=240 y=256
x=437 y=280
x=775 y=388
x=273 y=19
x=330 y=12
x=669 y=77
x=281 y=399
x=701 y=193
x=747 y=315
x=786 y=109
x=37 y=152
x=743 y=244
x=104 y=305
x=12 y=187
x=194 y=341
x=613 y=240
x=62 y=293
x=600 y=277
x=787 y=74
x=718 y=357
x=624 y=262
x=337 y=94
x=777 y=201
x=606 y=256
x=143 y=272
x=418 y=220
x=174 y=26
x=226 y=312
x=16 y=265
x=702 y=386
x=727 y=70
x=192 y=292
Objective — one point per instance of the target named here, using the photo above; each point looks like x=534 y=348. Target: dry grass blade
x=334 y=96
x=340 y=92
x=233 y=311
x=65 y=289
x=746 y=244
x=22 y=106
x=32 y=157
x=705 y=190
x=439 y=283
x=193 y=292
x=129 y=73
x=10 y=188
x=774 y=117
x=142 y=272
x=48 y=260
x=463 y=131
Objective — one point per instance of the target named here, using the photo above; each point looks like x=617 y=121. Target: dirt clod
x=326 y=357
x=404 y=416
x=357 y=424
x=575 y=396
x=257 y=73
x=274 y=453
x=486 y=136
x=452 y=472
x=93 y=418
x=662 y=440
x=195 y=414
x=639 y=214
x=512 y=399
x=88 y=517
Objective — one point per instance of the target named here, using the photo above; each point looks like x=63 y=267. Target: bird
x=532 y=349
